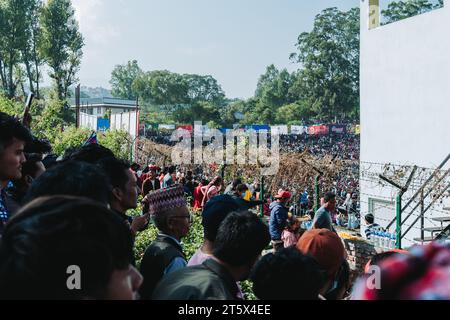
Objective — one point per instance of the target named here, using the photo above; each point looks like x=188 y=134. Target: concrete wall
x=88 y=121
x=125 y=121
x=405 y=100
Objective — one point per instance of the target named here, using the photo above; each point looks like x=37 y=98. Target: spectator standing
x=165 y=255
x=278 y=218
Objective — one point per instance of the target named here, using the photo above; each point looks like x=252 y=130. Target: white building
x=405 y=112
x=99 y=106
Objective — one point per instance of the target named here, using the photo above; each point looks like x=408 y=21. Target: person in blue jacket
x=278 y=218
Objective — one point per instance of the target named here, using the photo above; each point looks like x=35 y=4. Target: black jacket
x=208 y=281
x=157 y=258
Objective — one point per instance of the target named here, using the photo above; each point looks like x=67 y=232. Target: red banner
x=318 y=130
x=186 y=127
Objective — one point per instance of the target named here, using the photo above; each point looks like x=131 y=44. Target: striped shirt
x=371 y=229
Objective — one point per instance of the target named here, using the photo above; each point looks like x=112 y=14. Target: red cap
x=283 y=195
x=325 y=247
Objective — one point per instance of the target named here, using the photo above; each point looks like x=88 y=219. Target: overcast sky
x=232 y=40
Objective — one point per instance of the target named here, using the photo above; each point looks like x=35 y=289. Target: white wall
x=88 y=121
x=405 y=96
x=125 y=121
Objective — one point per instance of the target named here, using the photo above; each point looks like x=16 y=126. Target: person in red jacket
x=198 y=194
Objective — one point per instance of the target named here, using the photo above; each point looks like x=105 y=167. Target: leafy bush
x=9 y=106
x=70 y=138
x=117 y=141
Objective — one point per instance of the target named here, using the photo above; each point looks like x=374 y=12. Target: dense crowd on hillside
x=65 y=234
x=343 y=146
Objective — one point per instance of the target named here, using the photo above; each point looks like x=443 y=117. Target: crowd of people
x=344 y=146
x=65 y=234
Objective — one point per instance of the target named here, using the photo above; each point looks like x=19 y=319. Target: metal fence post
x=316 y=193
x=398 y=209
x=261 y=196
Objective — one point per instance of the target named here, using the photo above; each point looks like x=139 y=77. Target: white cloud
x=94 y=29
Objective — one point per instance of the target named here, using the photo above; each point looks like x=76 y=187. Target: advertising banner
x=338 y=128
x=279 y=129
x=299 y=129
x=166 y=127
x=102 y=124
x=186 y=127
x=318 y=130
x=258 y=127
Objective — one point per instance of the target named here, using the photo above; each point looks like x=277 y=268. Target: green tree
x=13 y=38
x=329 y=55
x=122 y=79
x=228 y=113
x=273 y=87
x=404 y=9
x=204 y=88
x=62 y=44
x=162 y=87
x=294 y=113
x=31 y=56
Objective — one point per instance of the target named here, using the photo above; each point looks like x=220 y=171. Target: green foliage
x=70 y=138
x=404 y=9
x=62 y=44
x=50 y=123
x=329 y=78
x=294 y=113
x=117 y=141
x=10 y=107
x=162 y=87
x=122 y=79
x=13 y=38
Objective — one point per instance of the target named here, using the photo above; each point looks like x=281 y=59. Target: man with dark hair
x=189 y=187
x=124 y=191
x=38 y=146
x=91 y=153
x=240 y=240
x=371 y=226
x=13 y=138
x=151 y=183
x=322 y=218
x=213 y=214
x=231 y=188
x=287 y=275
x=72 y=178
x=64 y=236
x=32 y=169
x=170 y=177
x=243 y=198
x=165 y=255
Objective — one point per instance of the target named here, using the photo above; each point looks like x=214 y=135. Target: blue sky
x=232 y=40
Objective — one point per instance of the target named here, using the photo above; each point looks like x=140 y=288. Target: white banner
x=299 y=129
x=88 y=121
x=167 y=126
x=125 y=121
x=279 y=129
